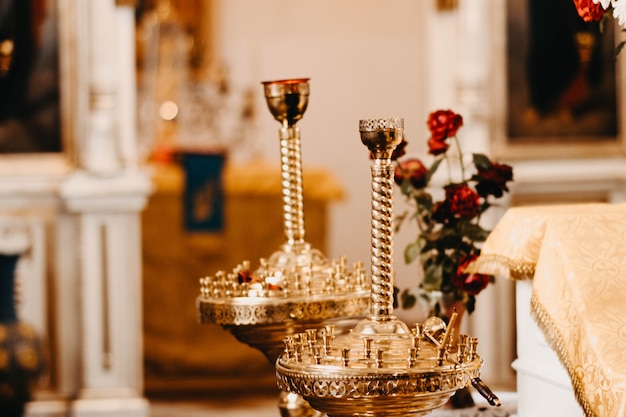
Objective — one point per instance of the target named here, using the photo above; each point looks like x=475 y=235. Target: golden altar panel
x=180 y=353
x=578 y=254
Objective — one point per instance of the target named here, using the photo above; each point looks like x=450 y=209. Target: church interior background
x=118 y=236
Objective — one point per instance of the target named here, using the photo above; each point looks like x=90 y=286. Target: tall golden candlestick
x=296 y=288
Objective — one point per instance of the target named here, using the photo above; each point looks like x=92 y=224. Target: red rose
x=588 y=10
x=437 y=147
x=470 y=283
x=397 y=152
x=444 y=124
x=463 y=201
x=413 y=170
x=492 y=181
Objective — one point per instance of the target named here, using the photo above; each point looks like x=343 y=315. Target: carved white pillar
x=98 y=262
x=101 y=152
x=105 y=213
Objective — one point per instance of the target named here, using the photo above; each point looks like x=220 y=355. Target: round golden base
x=390 y=406
x=380 y=368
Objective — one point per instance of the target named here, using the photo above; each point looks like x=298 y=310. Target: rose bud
x=413 y=170
x=492 y=181
x=470 y=283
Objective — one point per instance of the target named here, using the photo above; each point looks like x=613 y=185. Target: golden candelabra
x=297 y=287
x=382 y=367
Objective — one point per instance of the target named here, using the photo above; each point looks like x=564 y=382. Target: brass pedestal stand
x=380 y=368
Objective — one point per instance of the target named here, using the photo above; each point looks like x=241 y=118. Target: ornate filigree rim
x=365 y=383
x=279 y=88
x=373 y=125
x=247 y=312
x=335 y=297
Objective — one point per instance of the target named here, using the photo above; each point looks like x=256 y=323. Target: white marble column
x=105 y=216
x=101 y=152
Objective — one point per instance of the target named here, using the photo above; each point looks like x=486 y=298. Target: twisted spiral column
x=382 y=238
x=381 y=136
x=291 y=178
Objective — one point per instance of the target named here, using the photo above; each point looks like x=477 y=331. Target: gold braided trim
x=556 y=342
x=503 y=266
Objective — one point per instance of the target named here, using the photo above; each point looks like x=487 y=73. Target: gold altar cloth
x=576 y=257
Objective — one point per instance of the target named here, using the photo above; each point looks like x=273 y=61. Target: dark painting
x=29 y=77
x=561 y=75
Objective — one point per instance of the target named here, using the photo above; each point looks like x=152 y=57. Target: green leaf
x=399 y=221
x=429 y=245
x=406 y=187
x=432 y=277
x=619 y=48
x=450 y=239
x=602 y=23
x=408 y=299
x=475 y=232
x=433 y=169
x=428 y=261
x=424 y=201
x=411 y=252
x=481 y=161
x=471 y=304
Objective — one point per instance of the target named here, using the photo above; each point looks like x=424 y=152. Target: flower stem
x=458 y=147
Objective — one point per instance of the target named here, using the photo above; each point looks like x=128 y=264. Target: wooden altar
x=181 y=355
